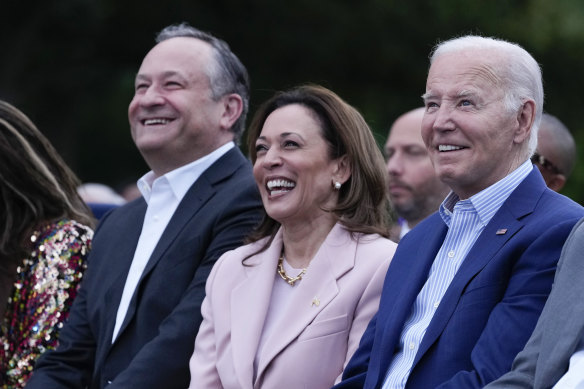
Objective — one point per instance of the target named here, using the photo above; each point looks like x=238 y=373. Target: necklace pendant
x=290 y=280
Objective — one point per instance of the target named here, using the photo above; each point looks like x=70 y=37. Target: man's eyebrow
x=166 y=74
x=463 y=93
x=428 y=95
x=466 y=93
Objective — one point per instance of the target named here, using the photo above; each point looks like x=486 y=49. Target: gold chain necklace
x=282 y=272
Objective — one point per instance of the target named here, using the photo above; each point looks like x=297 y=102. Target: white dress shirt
x=405 y=228
x=163 y=195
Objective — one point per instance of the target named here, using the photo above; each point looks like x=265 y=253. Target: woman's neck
x=302 y=241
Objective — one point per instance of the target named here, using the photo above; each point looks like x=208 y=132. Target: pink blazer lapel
x=317 y=289
x=249 y=305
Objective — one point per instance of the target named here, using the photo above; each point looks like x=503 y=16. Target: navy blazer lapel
x=193 y=201
x=134 y=213
x=406 y=276
x=520 y=203
x=198 y=194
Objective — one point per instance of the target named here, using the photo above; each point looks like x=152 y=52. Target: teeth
x=149 y=122
x=448 y=148
x=280 y=184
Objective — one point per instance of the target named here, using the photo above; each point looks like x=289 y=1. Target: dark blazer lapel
x=335 y=257
x=134 y=215
x=192 y=202
x=520 y=203
x=402 y=285
x=194 y=199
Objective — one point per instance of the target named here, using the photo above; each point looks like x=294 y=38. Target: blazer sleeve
x=71 y=363
x=522 y=375
x=45 y=310
x=356 y=369
x=528 y=288
x=202 y=365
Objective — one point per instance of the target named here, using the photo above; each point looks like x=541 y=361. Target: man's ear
x=342 y=171
x=232 y=108
x=525 y=119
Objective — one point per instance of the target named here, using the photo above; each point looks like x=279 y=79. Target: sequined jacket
x=44 y=290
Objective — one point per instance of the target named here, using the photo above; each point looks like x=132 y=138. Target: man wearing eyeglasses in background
x=556 y=152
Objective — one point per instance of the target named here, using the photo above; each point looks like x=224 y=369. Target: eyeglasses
x=545 y=163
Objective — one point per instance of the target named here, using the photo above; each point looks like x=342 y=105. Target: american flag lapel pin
x=501 y=231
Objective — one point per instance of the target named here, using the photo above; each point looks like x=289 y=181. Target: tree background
x=70 y=64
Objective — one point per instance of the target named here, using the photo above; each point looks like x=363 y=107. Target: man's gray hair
x=519 y=71
x=226 y=75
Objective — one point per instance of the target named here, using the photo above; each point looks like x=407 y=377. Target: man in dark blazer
x=467 y=285
x=559 y=334
x=134 y=322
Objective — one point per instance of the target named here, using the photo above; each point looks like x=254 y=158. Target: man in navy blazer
x=134 y=322
x=467 y=285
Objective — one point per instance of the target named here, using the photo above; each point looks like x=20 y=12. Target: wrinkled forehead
x=469 y=70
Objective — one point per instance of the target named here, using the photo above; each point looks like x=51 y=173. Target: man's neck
x=163 y=166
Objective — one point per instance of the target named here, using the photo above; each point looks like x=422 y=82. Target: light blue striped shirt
x=466 y=219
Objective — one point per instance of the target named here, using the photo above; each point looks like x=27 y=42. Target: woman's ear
x=342 y=170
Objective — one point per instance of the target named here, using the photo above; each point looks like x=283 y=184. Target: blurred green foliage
x=70 y=64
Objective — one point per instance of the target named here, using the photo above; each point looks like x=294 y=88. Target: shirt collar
x=182 y=178
x=488 y=201
x=404 y=227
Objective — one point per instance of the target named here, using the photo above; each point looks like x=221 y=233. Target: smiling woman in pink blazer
x=288 y=309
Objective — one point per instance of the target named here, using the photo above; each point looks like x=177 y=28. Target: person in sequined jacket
x=45 y=236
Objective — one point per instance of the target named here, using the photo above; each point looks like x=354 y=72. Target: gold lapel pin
x=315 y=302
x=501 y=231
